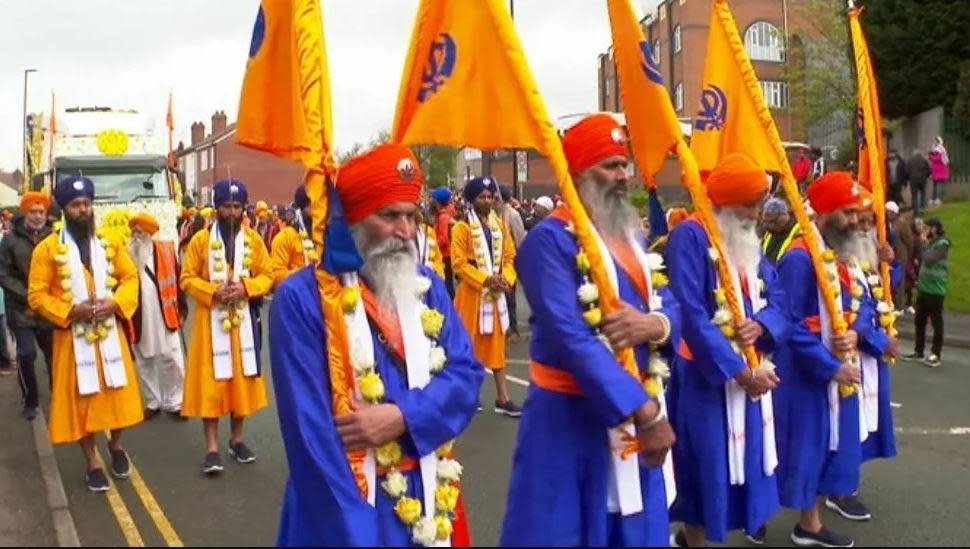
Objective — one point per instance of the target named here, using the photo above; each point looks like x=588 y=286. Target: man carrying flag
x=578 y=480
x=482 y=254
x=226 y=270
x=725 y=454
x=387 y=338
x=292 y=249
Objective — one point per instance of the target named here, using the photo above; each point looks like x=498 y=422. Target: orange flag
x=169 y=116
x=732 y=115
x=650 y=118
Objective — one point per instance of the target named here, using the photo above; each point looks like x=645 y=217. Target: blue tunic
x=807 y=468
x=322 y=505
x=558 y=489
x=874 y=341
x=705 y=496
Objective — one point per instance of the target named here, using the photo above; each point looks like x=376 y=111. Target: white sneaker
x=932 y=361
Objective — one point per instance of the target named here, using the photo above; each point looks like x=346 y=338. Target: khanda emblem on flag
x=860 y=128
x=649 y=64
x=441 y=62
x=713 y=111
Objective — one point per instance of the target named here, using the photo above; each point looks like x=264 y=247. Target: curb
x=64 y=527
x=956 y=342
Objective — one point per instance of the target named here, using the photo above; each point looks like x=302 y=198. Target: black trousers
x=511 y=302
x=929 y=306
x=449 y=277
x=28 y=339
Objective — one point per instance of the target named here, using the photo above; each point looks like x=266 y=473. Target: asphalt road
x=919 y=498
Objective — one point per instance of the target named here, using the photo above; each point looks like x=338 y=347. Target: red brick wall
x=267 y=177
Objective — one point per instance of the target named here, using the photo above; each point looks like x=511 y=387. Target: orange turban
x=384 y=175
x=32 y=198
x=865 y=198
x=736 y=180
x=144 y=221
x=833 y=191
x=593 y=139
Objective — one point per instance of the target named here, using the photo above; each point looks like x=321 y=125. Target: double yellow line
x=121 y=514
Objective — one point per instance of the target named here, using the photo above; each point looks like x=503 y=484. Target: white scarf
x=85 y=355
x=869 y=397
x=222 y=339
x=489 y=261
x=623 y=492
x=307 y=244
x=424 y=244
x=736 y=398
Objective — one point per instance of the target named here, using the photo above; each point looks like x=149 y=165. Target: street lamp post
x=24 y=159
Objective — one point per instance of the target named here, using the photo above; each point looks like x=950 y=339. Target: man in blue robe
x=818 y=427
x=725 y=454
x=336 y=494
x=576 y=479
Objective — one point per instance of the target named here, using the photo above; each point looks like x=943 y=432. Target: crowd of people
x=668 y=408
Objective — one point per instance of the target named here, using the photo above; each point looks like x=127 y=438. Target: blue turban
x=229 y=190
x=71 y=188
x=300 y=198
x=441 y=195
x=478 y=185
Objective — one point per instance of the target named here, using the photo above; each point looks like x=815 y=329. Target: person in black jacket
x=30 y=329
x=897 y=176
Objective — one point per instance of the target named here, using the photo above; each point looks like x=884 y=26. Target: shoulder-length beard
x=740 y=239
x=390 y=267
x=610 y=211
x=862 y=246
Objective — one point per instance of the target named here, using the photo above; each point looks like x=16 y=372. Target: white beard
x=862 y=246
x=141 y=252
x=612 y=214
x=390 y=267
x=740 y=239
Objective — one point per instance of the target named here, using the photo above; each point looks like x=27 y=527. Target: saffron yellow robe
x=287 y=254
x=489 y=349
x=73 y=416
x=205 y=396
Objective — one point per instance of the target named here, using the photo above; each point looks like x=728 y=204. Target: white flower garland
x=479 y=241
x=229 y=312
x=92 y=331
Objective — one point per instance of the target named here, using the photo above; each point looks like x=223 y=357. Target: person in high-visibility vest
x=780 y=229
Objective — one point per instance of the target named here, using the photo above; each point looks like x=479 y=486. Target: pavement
x=956 y=329
x=918 y=498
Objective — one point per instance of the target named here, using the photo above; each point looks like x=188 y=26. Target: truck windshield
x=124 y=185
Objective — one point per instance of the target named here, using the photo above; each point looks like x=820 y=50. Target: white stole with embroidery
x=222 y=339
x=485 y=261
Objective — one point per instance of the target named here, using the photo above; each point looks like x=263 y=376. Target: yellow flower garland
x=92 y=331
x=230 y=313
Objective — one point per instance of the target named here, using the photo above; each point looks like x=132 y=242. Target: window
x=204 y=157
x=677 y=39
x=776 y=94
x=679 y=96
x=656 y=51
x=764 y=42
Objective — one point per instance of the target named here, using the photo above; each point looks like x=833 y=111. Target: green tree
x=438 y=163
x=961 y=105
x=383 y=136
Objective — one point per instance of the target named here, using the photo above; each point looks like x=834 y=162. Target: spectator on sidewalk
x=932 y=285
x=919 y=172
x=780 y=228
x=897 y=176
x=516 y=226
x=802 y=169
x=939 y=170
x=29 y=329
x=444 y=219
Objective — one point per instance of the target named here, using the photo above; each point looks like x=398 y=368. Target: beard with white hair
x=862 y=246
x=140 y=249
x=390 y=266
x=608 y=208
x=740 y=239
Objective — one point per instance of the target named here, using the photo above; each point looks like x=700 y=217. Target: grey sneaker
x=849 y=507
x=212 y=463
x=822 y=538
x=241 y=452
x=933 y=361
x=96 y=481
x=120 y=466
x=508 y=408
x=914 y=357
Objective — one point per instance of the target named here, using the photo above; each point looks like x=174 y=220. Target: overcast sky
x=131 y=53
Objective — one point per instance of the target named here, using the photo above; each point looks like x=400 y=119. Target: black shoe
x=212 y=463
x=241 y=452
x=913 y=357
x=28 y=413
x=758 y=538
x=849 y=507
x=150 y=413
x=822 y=538
x=120 y=466
x=508 y=408
x=96 y=480
x=176 y=415
x=680 y=539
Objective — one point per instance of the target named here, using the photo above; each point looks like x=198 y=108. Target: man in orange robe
x=227 y=271
x=88 y=288
x=483 y=256
x=287 y=249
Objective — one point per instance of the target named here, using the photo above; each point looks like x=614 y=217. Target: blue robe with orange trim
x=874 y=341
x=558 y=489
x=807 y=468
x=322 y=505
x=705 y=496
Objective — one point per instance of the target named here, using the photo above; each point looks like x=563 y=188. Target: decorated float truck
x=121 y=151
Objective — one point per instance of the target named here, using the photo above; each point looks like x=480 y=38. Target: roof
x=210 y=140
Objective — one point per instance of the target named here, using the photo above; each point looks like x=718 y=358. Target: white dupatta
x=221 y=338
x=488 y=303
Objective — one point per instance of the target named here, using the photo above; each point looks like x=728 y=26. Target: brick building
x=215 y=156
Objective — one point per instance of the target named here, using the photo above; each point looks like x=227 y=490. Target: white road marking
x=917 y=431
x=513 y=379
x=895 y=405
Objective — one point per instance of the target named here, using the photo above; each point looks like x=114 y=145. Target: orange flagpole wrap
x=872 y=161
x=654 y=131
x=465 y=63
x=170 y=157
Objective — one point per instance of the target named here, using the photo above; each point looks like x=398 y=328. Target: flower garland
x=658 y=369
x=478 y=240
x=309 y=250
x=230 y=312
x=886 y=317
x=832 y=271
x=424 y=530
x=92 y=331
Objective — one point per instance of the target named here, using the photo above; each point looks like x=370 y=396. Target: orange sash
x=385 y=321
x=553 y=379
x=166 y=276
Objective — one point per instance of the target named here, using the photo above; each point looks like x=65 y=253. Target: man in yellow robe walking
x=483 y=257
x=292 y=249
x=88 y=288
x=226 y=270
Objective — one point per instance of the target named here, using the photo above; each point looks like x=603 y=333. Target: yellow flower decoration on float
x=112 y=142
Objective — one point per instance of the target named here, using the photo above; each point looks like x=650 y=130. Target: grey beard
x=141 y=251
x=390 y=267
x=862 y=246
x=838 y=239
x=740 y=240
x=612 y=213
